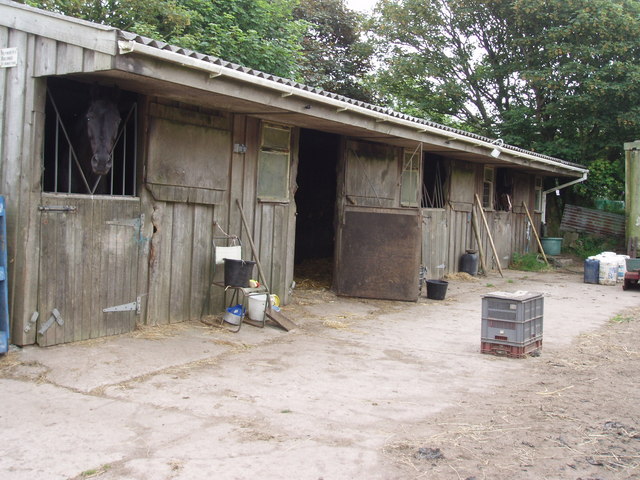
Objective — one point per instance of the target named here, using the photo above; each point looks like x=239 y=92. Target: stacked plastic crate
x=512 y=323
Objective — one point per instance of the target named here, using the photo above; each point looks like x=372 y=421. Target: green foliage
x=334 y=57
x=260 y=34
x=528 y=262
x=589 y=245
x=560 y=77
x=606 y=180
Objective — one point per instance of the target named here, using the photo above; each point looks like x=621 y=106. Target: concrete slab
x=194 y=401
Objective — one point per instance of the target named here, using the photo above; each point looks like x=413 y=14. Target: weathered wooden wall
x=448 y=232
x=22 y=101
x=181 y=263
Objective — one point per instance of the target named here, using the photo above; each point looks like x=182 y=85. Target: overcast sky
x=360 y=5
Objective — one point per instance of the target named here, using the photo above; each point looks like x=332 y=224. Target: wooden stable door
x=379 y=254
x=89 y=251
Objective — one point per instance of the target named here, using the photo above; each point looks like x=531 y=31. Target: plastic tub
x=436 y=289
x=237 y=272
x=551 y=245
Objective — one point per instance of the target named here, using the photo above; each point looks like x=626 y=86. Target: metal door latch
x=55 y=317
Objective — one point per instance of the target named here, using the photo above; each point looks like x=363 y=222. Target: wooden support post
x=486 y=225
x=476 y=231
x=253 y=248
x=535 y=232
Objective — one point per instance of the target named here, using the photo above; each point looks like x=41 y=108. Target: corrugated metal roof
x=580 y=219
x=162 y=46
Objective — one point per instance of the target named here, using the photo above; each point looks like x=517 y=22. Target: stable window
x=72 y=163
x=410 y=178
x=273 y=163
x=537 y=205
x=504 y=188
x=433 y=182
x=488 y=183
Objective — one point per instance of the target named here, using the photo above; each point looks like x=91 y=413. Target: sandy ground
x=363 y=389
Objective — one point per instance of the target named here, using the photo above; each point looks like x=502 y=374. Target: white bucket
x=608 y=274
x=257 y=306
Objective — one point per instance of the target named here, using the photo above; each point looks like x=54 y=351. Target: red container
x=512 y=351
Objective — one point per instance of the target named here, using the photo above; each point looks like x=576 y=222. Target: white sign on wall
x=8 y=57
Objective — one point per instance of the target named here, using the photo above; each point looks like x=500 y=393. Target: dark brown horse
x=83 y=156
x=95 y=138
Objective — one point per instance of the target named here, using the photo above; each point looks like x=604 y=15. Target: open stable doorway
x=315 y=203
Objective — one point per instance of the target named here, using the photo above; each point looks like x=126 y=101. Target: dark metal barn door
x=379 y=253
x=88 y=275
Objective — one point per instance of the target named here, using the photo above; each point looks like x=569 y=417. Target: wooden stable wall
x=448 y=232
x=181 y=259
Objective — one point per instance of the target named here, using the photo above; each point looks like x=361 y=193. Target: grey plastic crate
x=512 y=318
x=511 y=333
x=515 y=307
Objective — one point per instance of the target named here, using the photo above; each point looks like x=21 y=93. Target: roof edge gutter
x=130 y=46
x=554 y=189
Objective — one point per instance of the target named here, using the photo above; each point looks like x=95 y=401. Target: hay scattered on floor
x=314 y=274
x=160 y=332
x=336 y=324
x=461 y=277
x=9 y=360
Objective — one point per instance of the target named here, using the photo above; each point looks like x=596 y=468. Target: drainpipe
x=554 y=189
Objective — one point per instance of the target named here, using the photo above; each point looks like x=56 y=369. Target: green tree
x=335 y=58
x=555 y=76
x=260 y=34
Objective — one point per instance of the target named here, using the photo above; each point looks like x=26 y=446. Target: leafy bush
x=588 y=245
x=529 y=262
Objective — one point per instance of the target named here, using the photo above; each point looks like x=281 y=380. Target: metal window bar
x=72 y=158
x=435 y=199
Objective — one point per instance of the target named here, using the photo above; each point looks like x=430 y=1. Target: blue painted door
x=4 y=297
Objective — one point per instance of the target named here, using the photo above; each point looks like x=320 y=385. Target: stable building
x=383 y=194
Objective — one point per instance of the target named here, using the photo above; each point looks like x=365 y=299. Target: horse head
x=102 y=120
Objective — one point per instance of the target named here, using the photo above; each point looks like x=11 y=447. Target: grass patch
x=621 y=319
x=94 y=472
x=528 y=262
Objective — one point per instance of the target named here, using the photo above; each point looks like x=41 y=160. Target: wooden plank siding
x=448 y=232
x=89 y=258
x=435 y=239
x=181 y=270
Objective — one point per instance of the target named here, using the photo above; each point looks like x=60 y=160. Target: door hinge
x=32 y=321
x=126 y=307
x=55 y=317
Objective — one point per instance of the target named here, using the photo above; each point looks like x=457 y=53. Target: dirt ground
x=362 y=389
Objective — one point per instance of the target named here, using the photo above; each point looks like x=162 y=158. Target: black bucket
x=237 y=272
x=436 y=289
